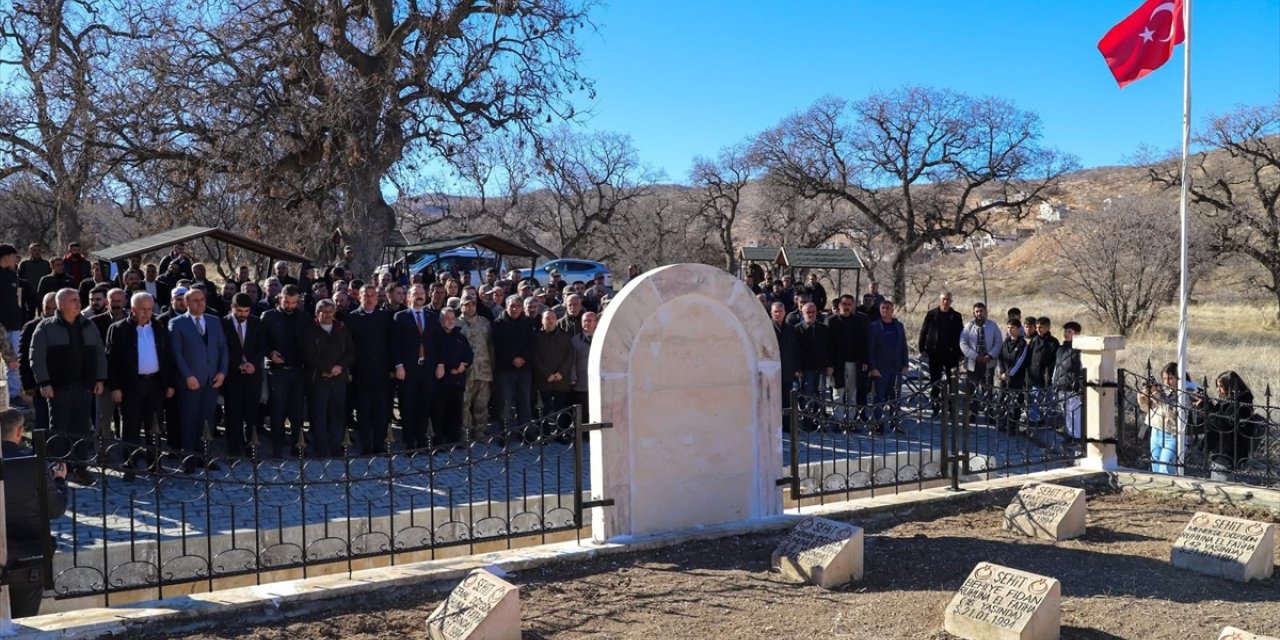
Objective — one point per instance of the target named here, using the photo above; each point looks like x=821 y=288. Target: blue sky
x=688 y=77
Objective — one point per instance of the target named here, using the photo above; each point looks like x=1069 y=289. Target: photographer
x=26 y=522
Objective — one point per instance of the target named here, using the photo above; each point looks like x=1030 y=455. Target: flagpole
x=1184 y=403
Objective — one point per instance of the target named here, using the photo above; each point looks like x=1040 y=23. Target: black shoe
x=83 y=478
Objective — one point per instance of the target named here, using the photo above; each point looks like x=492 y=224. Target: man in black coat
x=26 y=519
x=848 y=330
x=286 y=382
x=140 y=373
x=371 y=374
x=788 y=352
x=246 y=350
x=512 y=363
x=415 y=349
x=455 y=357
x=940 y=343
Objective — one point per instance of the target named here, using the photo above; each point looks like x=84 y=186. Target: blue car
x=571 y=270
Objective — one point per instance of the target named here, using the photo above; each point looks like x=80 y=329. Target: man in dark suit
x=56 y=279
x=371 y=375
x=415 y=347
x=26 y=520
x=284 y=327
x=200 y=354
x=140 y=373
x=788 y=354
x=246 y=349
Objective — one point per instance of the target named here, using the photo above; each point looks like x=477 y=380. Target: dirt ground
x=1116 y=583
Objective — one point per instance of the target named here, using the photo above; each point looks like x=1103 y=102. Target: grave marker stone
x=822 y=552
x=482 y=607
x=999 y=603
x=1047 y=511
x=1226 y=547
x=1232 y=633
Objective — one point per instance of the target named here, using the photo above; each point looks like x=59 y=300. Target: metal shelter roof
x=819 y=258
x=758 y=254
x=395 y=238
x=483 y=240
x=171 y=237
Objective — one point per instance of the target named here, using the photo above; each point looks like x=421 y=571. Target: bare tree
x=720 y=184
x=313 y=102
x=788 y=217
x=1122 y=263
x=918 y=165
x=55 y=51
x=1238 y=196
x=589 y=179
x=27 y=212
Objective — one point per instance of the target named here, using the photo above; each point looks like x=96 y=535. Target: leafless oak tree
x=917 y=164
x=57 y=52
x=1122 y=263
x=1238 y=197
x=720 y=183
x=310 y=103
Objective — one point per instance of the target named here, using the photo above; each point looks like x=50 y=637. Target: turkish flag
x=1143 y=41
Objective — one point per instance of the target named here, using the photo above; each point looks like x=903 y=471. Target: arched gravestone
x=685 y=366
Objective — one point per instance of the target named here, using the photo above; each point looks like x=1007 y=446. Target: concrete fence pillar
x=1098 y=357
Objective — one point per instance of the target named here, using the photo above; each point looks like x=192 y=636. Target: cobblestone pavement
x=243 y=495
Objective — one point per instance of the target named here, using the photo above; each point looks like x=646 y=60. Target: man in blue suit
x=200 y=353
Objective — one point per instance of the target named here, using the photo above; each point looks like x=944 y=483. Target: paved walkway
x=244 y=496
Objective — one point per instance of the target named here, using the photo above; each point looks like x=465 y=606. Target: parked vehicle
x=571 y=269
x=470 y=262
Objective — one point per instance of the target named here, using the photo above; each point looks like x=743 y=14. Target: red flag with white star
x=1144 y=40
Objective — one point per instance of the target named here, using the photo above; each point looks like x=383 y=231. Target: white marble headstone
x=1047 y=511
x=482 y=607
x=1232 y=633
x=1232 y=548
x=822 y=552
x=999 y=603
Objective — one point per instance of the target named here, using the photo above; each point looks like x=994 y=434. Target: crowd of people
x=857 y=354
x=159 y=352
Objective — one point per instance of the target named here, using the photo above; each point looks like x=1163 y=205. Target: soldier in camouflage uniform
x=475 y=398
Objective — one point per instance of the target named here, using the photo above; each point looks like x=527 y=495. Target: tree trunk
x=367 y=219
x=66 y=215
x=900 y=276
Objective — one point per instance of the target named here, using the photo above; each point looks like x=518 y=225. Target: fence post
x=6 y=612
x=1098 y=357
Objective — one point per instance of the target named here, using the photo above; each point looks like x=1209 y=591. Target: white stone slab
x=684 y=366
x=1047 y=511
x=999 y=603
x=482 y=607
x=822 y=552
x=1232 y=633
x=1226 y=547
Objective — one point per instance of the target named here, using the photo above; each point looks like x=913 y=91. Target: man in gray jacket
x=980 y=342
x=70 y=366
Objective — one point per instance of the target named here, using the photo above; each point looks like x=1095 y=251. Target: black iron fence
x=955 y=429
x=1216 y=429
x=158 y=517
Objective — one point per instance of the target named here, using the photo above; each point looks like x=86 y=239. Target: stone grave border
x=295 y=598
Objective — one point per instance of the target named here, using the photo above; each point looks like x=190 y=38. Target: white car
x=571 y=270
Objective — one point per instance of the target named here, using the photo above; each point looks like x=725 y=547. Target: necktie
x=240 y=330
x=422 y=348
x=200 y=325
